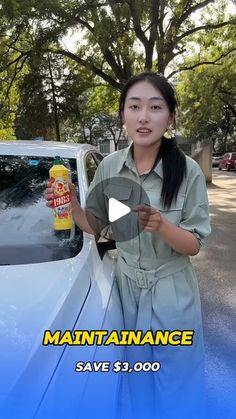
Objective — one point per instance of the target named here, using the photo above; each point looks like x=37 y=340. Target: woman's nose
x=143 y=115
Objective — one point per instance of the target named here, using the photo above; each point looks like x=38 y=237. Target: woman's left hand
x=150 y=218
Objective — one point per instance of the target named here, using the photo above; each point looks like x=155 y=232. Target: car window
x=233 y=156
x=98 y=157
x=92 y=162
x=26 y=224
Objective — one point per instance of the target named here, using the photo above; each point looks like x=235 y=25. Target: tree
x=9 y=98
x=118 y=38
x=7 y=111
x=97 y=117
x=208 y=94
x=33 y=117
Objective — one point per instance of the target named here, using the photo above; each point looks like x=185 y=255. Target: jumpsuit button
x=140 y=278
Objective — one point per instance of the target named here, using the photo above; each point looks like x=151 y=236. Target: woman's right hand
x=78 y=214
x=48 y=195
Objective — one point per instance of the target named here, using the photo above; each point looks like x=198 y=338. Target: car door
x=44 y=281
x=92 y=394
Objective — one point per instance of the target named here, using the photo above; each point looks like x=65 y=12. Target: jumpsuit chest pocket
x=174 y=213
x=119 y=192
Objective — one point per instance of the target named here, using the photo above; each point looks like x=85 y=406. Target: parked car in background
x=215 y=159
x=227 y=161
x=52 y=281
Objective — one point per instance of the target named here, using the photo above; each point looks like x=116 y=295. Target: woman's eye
x=133 y=107
x=155 y=107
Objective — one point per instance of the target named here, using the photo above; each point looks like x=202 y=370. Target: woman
x=173 y=227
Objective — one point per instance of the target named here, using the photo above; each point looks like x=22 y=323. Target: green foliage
x=97 y=117
x=7 y=111
x=117 y=39
x=103 y=99
x=9 y=94
x=208 y=101
x=33 y=118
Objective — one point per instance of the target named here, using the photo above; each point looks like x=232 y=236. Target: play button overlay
x=116 y=209
x=112 y=202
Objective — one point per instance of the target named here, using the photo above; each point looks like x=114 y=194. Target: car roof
x=44 y=148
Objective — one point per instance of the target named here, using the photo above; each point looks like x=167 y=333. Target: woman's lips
x=143 y=130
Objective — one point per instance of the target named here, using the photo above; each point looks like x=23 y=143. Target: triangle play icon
x=117 y=209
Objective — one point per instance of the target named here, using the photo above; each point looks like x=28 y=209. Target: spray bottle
x=59 y=177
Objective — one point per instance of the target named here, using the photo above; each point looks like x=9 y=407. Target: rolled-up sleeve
x=195 y=214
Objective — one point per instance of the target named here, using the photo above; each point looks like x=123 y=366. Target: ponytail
x=174 y=170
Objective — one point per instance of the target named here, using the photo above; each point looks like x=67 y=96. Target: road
x=216 y=270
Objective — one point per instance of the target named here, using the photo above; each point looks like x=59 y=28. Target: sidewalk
x=216 y=270
x=222 y=198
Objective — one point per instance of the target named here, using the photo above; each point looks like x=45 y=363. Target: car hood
x=34 y=298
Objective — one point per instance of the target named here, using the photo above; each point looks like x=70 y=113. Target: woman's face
x=146 y=114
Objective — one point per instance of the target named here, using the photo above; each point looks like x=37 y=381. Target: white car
x=52 y=281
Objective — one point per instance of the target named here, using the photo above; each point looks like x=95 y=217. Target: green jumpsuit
x=159 y=290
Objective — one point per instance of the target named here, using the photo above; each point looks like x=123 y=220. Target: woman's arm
x=180 y=240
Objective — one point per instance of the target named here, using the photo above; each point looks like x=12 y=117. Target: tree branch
x=85 y=24
x=89 y=66
x=15 y=61
x=76 y=20
x=16 y=71
x=112 y=62
x=177 y=22
x=179 y=52
x=214 y=62
x=161 y=20
x=107 y=53
x=10 y=46
x=202 y=28
x=153 y=33
x=147 y=43
x=137 y=26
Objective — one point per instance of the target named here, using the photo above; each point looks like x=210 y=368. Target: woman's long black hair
x=173 y=159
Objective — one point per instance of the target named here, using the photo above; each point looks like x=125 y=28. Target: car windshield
x=26 y=224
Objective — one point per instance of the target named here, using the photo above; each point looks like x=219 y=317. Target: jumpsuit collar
x=127 y=159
